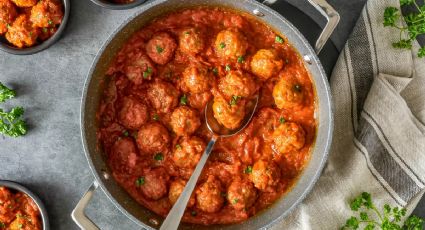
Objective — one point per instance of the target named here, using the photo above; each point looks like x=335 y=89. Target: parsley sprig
x=11 y=123
x=413 y=27
x=388 y=219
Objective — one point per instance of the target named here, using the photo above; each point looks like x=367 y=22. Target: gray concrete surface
x=49 y=159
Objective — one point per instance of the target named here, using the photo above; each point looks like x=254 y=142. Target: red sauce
x=18 y=211
x=152 y=128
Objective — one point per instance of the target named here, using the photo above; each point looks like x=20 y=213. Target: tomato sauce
x=259 y=157
x=18 y=211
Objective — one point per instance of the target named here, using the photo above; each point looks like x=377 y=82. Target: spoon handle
x=174 y=216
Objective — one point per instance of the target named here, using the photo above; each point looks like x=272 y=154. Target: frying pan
x=93 y=91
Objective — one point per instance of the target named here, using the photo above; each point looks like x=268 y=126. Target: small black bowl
x=5 y=46
x=17 y=187
x=116 y=6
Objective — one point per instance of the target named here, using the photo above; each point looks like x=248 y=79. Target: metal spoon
x=176 y=213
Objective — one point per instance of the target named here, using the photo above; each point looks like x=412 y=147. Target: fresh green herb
x=2 y=225
x=222 y=45
x=179 y=147
x=215 y=70
x=158 y=157
x=186 y=33
x=140 y=181
x=50 y=22
x=412 y=27
x=6 y=93
x=297 y=88
x=159 y=49
x=183 y=100
x=228 y=68
x=248 y=169
x=234 y=100
x=234 y=201
x=44 y=30
x=11 y=123
x=8 y=26
x=148 y=72
x=193 y=213
x=241 y=59
x=279 y=39
x=20 y=226
x=282 y=120
x=388 y=219
x=155 y=117
x=126 y=133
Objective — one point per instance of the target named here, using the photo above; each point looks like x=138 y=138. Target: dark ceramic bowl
x=5 y=46
x=116 y=6
x=43 y=213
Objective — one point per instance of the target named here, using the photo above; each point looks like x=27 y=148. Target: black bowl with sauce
x=109 y=4
x=7 y=47
x=18 y=187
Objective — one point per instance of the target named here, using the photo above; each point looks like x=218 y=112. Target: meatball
x=188 y=152
x=265 y=173
x=123 y=156
x=133 y=113
x=209 y=195
x=21 y=33
x=266 y=63
x=185 y=121
x=161 y=47
x=8 y=13
x=229 y=114
x=163 y=96
x=237 y=83
x=153 y=138
x=47 y=13
x=153 y=183
x=25 y=3
x=230 y=45
x=288 y=93
x=191 y=41
x=176 y=188
x=288 y=137
x=241 y=194
x=138 y=67
x=196 y=79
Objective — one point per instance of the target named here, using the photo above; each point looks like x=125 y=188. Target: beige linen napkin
x=379 y=138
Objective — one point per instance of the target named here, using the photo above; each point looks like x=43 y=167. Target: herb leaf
x=234 y=100
x=248 y=169
x=11 y=123
x=278 y=39
x=6 y=93
x=148 y=72
x=158 y=157
x=183 y=100
x=140 y=181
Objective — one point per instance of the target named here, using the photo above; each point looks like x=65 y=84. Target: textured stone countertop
x=50 y=159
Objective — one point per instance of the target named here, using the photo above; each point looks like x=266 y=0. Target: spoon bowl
x=176 y=213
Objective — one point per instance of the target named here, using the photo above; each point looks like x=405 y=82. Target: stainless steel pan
x=93 y=90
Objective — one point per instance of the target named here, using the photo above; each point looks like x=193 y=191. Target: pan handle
x=329 y=13
x=78 y=214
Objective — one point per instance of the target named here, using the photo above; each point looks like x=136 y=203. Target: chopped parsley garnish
x=158 y=157
x=140 y=181
x=279 y=39
x=186 y=33
x=179 y=147
x=50 y=22
x=234 y=100
x=193 y=213
x=241 y=59
x=282 y=120
x=126 y=133
x=2 y=225
x=20 y=226
x=11 y=123
x=8 y=26
x=148 y=72
x=159 y=49
x=297 y=88
x=44 y=30
x=228 y=68
x=234 y=201
x=215 y=70
x=183 y=100
x=248 y=169
x=155 y=117
x=222 y=45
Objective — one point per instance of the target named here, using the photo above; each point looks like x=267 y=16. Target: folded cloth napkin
x=379 y=138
